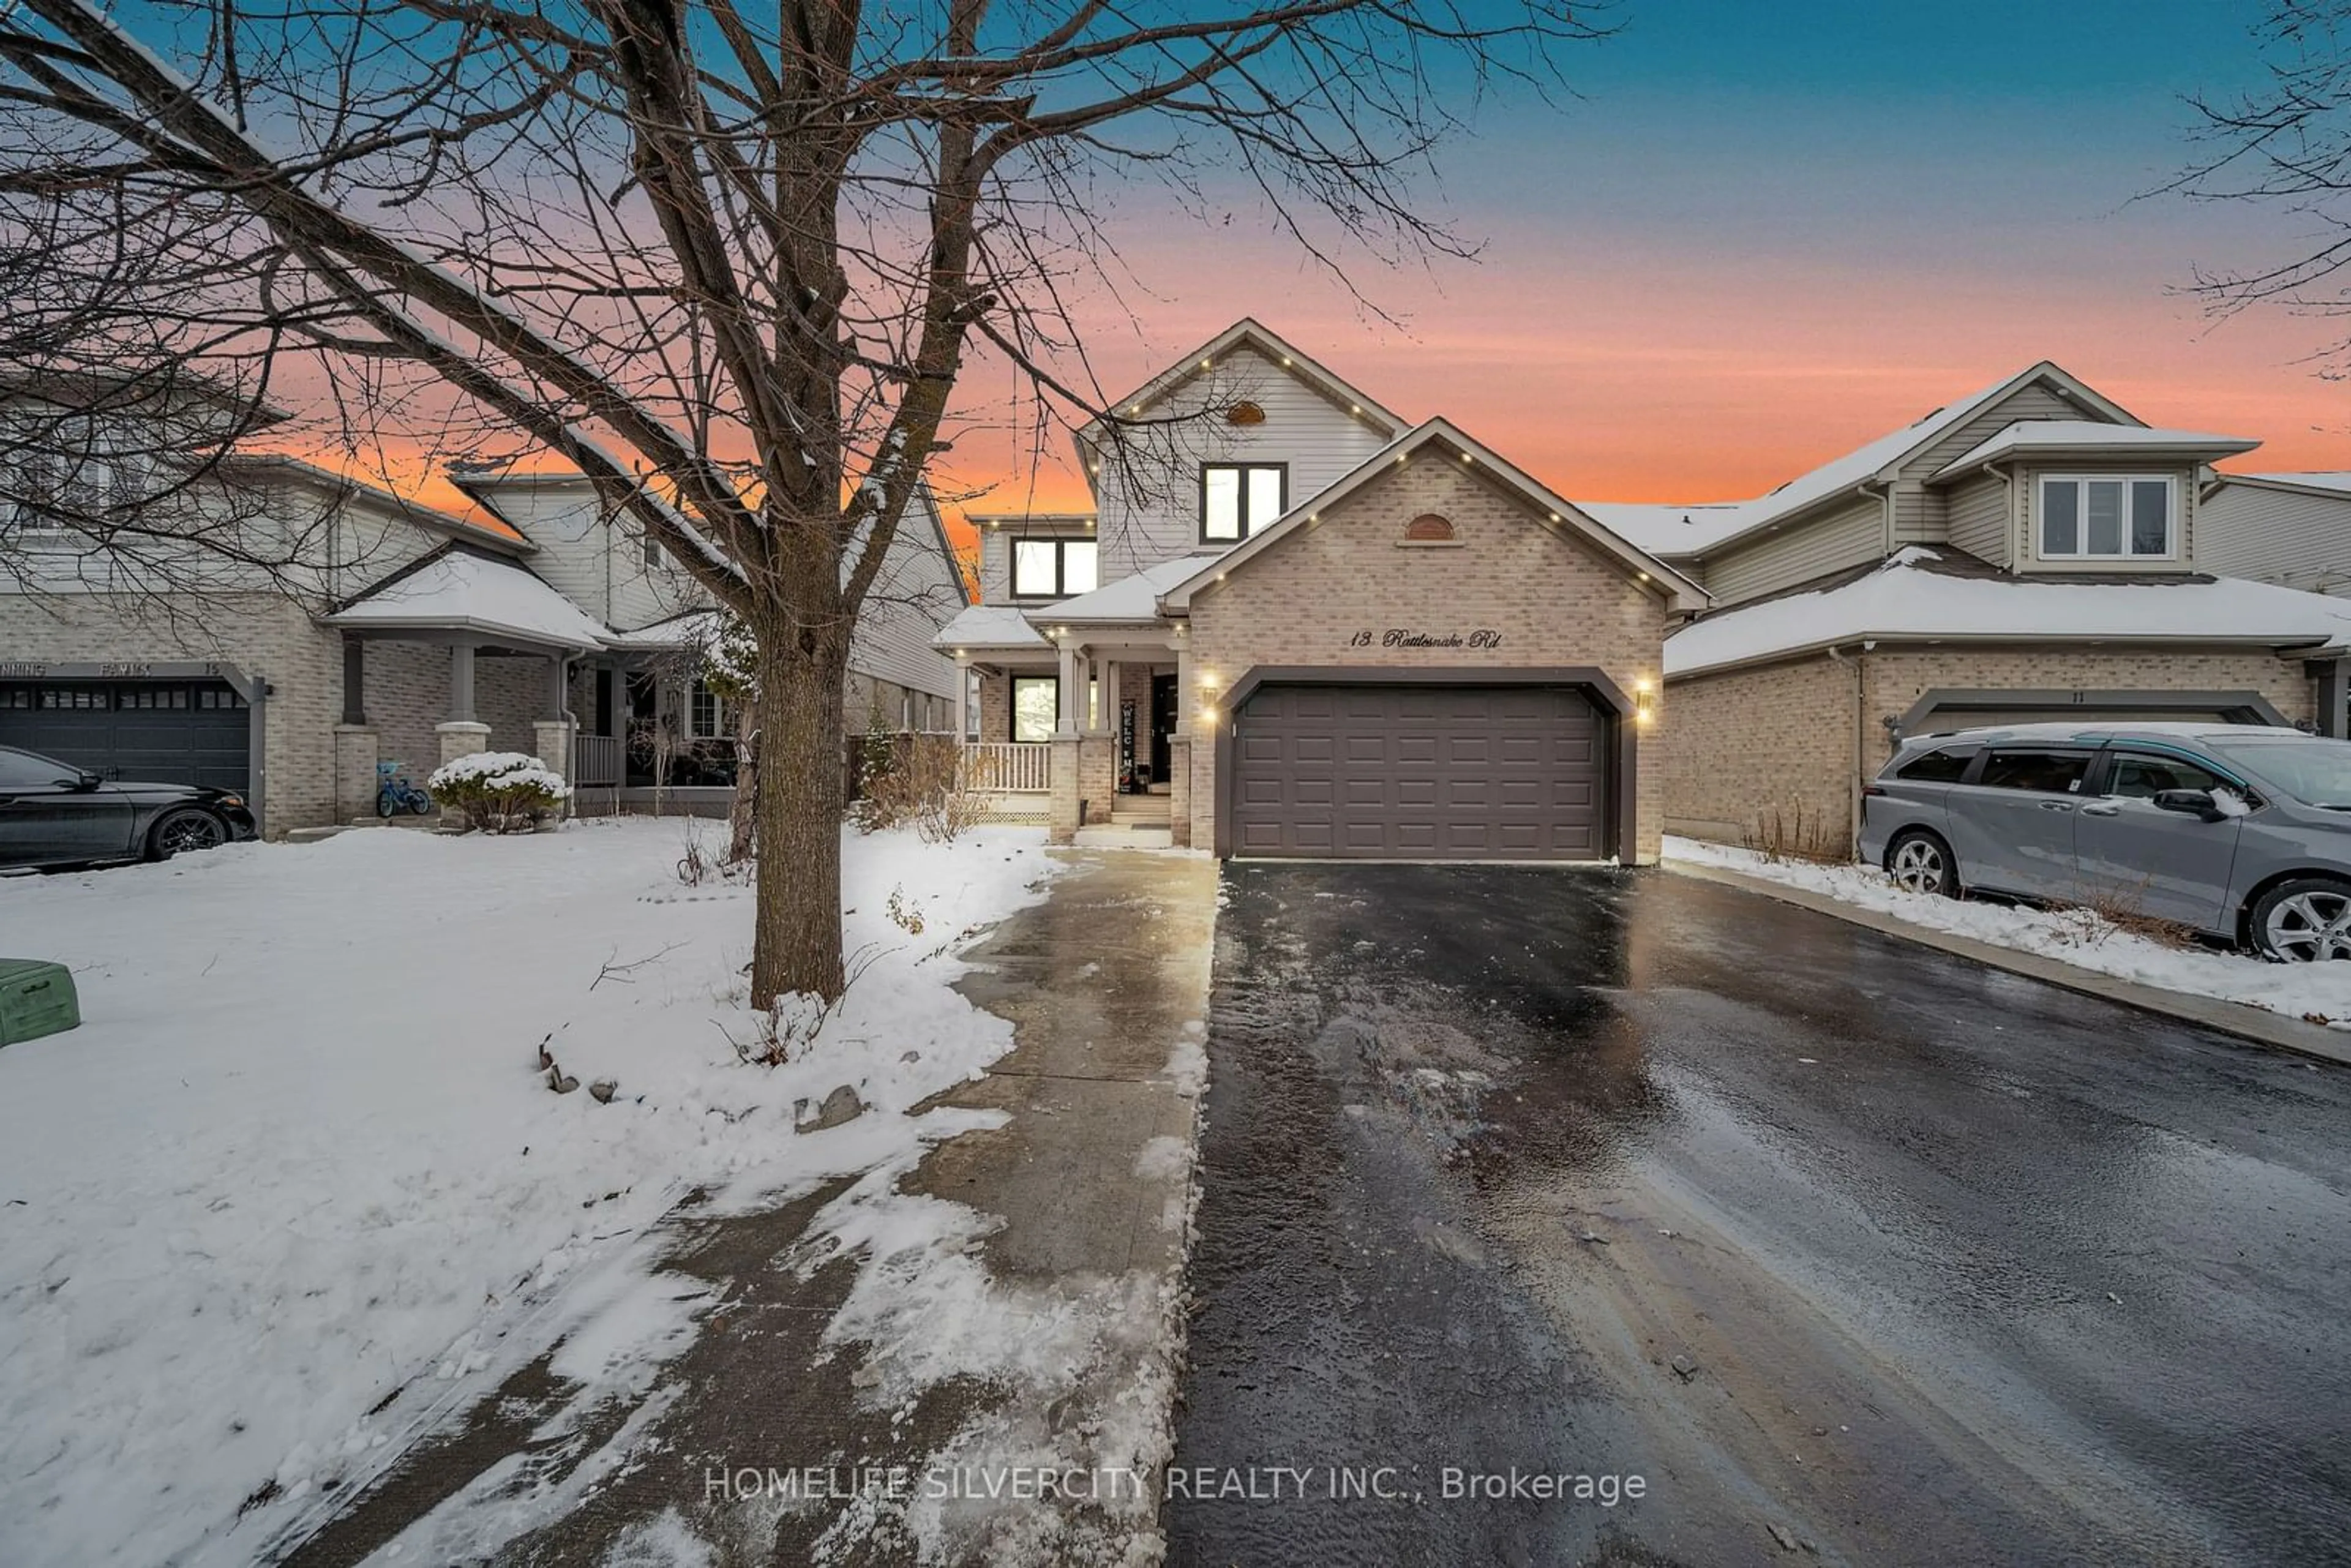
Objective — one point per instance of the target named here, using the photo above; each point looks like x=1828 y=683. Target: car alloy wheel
x=1919 y=866
x=2310 y=926
x=185 y=830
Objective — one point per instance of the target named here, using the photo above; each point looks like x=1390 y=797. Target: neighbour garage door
x=1420 y=772
x=171 y=732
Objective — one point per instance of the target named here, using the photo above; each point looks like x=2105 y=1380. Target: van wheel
x=1922 y=862
x=2304 y=920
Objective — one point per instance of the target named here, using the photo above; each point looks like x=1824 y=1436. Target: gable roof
x=1875 y=462
x=2335 y=482
x=1925 y=592
x=1679 y=591
x=1664 y=528
x=458 y=588
x=2058 y=437
x=1245 y=333
x=490 y=530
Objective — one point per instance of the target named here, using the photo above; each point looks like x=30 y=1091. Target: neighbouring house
x=1295 y=625
x=2033 y=551
x=387 y=631
x=2293 y=529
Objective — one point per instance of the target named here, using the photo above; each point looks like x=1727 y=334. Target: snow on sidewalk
x=298 y=1167
x=2321 y=992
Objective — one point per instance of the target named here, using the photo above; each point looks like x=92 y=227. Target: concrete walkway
x=1089 y=1184
x=2261 y=1027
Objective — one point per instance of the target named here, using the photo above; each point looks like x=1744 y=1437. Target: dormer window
x=2109 y=517
x=1239 y=498
x=1054 y=567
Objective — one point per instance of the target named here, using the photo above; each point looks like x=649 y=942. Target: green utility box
x=36 y=998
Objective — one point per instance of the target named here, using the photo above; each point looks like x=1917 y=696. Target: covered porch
x=461 y=653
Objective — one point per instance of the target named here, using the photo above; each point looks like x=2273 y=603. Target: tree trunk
x=742 y=816
x=796 y=945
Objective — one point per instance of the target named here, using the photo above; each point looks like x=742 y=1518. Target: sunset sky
x=1769 y=233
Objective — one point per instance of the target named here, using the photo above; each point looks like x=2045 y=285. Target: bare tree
x=2286 y=145
x=729 y=264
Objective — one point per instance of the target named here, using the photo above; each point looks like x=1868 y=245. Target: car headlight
x=237 y=800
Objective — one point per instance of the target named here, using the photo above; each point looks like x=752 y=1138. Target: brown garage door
x=1419 y=772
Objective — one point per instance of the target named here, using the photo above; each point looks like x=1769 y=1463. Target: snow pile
x=300 y=1181
x=2321 y=992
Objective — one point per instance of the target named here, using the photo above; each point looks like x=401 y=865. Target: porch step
x=1141 y=811
x=1115 y=837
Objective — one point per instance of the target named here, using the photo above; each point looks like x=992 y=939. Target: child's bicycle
x=394 y=794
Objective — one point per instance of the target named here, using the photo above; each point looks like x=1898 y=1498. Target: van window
x=2046 y=772
x=1943 y=766
x=2143 y=777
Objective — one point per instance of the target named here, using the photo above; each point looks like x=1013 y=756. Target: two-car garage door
x=169 y=732
x=1420 y=772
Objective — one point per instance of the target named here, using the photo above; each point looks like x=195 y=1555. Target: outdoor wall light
x=1208 y=713
x=1644 y=702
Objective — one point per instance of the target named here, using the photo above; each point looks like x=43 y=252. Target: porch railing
x=596 y=761
x=1008 y=765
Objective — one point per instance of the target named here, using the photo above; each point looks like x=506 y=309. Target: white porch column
x=1065 y=720
x=461 y=682
x=1106 y=697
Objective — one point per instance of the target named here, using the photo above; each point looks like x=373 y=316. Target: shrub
x=499 y=791
x=924 y=788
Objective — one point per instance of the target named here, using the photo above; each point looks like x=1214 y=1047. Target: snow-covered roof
x=1869 y=461
x=690 y=629
x=1907 y=600
x=989 y=626
x=2048 y=435
x=1135 y=597
x=463 y=590
x=1665 y=528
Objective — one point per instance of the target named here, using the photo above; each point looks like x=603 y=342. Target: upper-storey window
x=1239 y=498
x=1054 y=568
x=2109 y=517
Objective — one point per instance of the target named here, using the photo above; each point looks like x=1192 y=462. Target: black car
x=53 y=813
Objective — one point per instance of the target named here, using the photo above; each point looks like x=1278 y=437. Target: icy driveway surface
x=1828 y=1238
x=296 y=1184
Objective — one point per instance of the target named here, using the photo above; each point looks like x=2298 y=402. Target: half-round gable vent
x=1428 y=529
x=1245 y=413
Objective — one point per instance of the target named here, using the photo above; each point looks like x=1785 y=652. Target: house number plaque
x=1407 y=637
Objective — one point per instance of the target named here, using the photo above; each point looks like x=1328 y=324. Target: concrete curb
x=2262 y=1028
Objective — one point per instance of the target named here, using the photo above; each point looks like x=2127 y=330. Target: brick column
x=1062 y=812
x=1098 y=776
x=551 y=740
x=356 y=754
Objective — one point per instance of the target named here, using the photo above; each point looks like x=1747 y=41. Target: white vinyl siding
x=1155 y=516
x=2033 y=401
x=919 y=589
x=2287 y=536
x=1850 y=536
x=1979 y=518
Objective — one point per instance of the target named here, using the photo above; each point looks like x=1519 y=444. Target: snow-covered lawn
x=2321 y=992
x=300 y=1160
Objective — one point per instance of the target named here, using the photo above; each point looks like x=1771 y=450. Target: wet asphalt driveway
x=1852 y=1252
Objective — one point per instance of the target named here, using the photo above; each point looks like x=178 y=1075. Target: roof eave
x=1851 y=639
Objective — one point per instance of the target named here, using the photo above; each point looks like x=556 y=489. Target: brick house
x=1296 y=626
x=391 y=632
x=2033 y=551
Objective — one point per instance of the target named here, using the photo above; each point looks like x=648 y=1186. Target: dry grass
x=924 y=786
x=1778 y=836
x=2091 y=921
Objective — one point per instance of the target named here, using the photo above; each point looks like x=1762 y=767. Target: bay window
x=2109 y=517
x=1054 y=567
x=1239 y=498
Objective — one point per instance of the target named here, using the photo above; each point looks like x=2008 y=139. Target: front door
x=1163 y=724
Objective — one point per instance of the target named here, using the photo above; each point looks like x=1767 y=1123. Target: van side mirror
x=2190 y=802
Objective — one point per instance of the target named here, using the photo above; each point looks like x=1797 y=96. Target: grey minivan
x=2241 y=832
